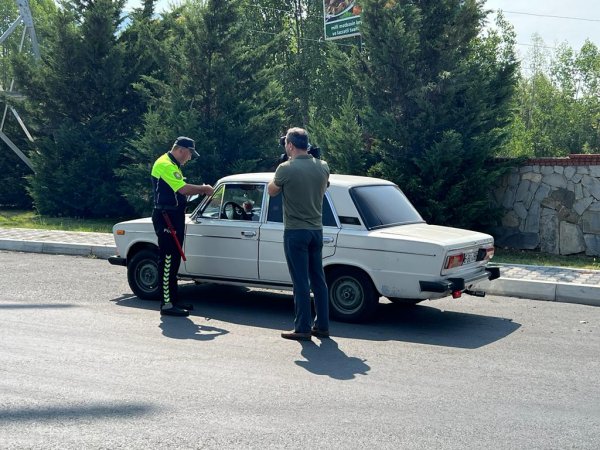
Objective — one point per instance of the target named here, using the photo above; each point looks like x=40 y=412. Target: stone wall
x=552 y=205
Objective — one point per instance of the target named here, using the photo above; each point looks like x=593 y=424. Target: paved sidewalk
x=535 y=282
x=100 y=245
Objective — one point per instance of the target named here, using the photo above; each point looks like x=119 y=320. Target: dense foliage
x=424 y=98
x=557 y=106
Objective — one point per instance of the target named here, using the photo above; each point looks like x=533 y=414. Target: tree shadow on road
x=327 y=359
x=76 y=412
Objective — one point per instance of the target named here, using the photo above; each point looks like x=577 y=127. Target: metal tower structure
x=26 y=19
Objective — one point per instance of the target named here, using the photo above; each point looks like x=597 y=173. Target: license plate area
x=470 y=257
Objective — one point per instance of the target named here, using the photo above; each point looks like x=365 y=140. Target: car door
x=272 y=266
x=222 y=242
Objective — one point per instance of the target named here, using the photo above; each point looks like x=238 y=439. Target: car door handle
x=248 y=233
x=327 y=240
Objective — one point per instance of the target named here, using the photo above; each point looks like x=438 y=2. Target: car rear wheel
x=142 y=274
x=352 y=296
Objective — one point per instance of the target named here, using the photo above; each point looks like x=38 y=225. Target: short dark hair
x=298 y=137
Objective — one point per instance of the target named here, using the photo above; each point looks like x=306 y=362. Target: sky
x=579 y=19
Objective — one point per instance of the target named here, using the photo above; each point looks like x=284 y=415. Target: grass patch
x=31 y=219
x=535 y=258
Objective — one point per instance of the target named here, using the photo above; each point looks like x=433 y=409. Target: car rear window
x=383 y=206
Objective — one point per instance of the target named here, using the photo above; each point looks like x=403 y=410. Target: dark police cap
x=187 y=142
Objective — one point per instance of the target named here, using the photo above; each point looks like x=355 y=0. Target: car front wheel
x=352 y=296
x=142 y=274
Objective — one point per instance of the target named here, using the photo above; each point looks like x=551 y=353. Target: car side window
x=236 y=201
x=275 y=213
x=328 y=216
x=212 y=210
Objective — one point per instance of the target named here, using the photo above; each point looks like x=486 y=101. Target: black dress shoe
x=173 y=311
x=296 y=336
x=319 y=333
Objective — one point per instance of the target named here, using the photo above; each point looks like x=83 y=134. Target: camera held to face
x=314 y=151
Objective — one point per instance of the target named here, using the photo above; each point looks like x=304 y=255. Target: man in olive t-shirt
x=302 y=180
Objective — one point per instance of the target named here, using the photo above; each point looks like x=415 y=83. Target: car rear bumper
x=117 y=261
x=459 y=284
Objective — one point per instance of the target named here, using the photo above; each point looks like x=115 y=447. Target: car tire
x=406 y=302
x=352 y=296
x=142 y=274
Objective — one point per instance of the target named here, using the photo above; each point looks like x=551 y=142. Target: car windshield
x=384 y=206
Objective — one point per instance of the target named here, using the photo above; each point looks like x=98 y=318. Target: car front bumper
x=117 y=260
x=459 y=284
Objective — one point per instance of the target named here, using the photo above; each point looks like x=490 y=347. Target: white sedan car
x=375 y=244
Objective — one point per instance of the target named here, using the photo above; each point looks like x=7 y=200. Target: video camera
x=314 y=151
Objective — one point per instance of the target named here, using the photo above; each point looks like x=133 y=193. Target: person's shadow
x=328 y=359
x=184 y=328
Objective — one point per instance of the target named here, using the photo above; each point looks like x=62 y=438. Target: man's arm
x=192 y=189
x=273 y=189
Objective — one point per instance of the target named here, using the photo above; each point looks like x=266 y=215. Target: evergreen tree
x=438 y=96
x=13 y=170
x=84 y=104
x=342 y=140
x=218 y=90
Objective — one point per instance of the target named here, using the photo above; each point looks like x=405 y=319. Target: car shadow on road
x=423 y=324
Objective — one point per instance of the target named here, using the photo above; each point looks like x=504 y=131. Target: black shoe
x=184 y=306
x=319 y=333
x=296 y=336
x=174 y=311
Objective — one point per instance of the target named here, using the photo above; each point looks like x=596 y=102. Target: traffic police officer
x=170 y=191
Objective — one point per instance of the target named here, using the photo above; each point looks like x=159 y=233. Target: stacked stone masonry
x=553 y=205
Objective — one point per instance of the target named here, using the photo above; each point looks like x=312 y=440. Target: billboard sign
x=342 y=18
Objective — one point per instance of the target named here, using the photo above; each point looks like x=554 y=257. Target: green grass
x=30 y=219
x=534 y=258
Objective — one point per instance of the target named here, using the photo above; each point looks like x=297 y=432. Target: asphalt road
x=84 y=364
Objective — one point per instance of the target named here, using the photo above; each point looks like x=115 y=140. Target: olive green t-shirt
x=303 y=181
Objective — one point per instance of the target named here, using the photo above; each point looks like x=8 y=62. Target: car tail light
x=454 y=261
x=485 y=254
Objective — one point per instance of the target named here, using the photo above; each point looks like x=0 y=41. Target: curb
x=58 y=248
x=582 y=294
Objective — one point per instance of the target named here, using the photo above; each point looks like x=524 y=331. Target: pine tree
x=437 y=99
x=219 y=90
x=82 y=102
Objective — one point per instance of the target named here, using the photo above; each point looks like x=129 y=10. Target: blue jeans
x=304 y=255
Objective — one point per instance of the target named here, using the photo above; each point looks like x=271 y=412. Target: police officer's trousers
x=169 y=258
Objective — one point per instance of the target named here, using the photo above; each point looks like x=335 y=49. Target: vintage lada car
x=375 y=244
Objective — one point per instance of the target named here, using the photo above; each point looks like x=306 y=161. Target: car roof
x=334 y=179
